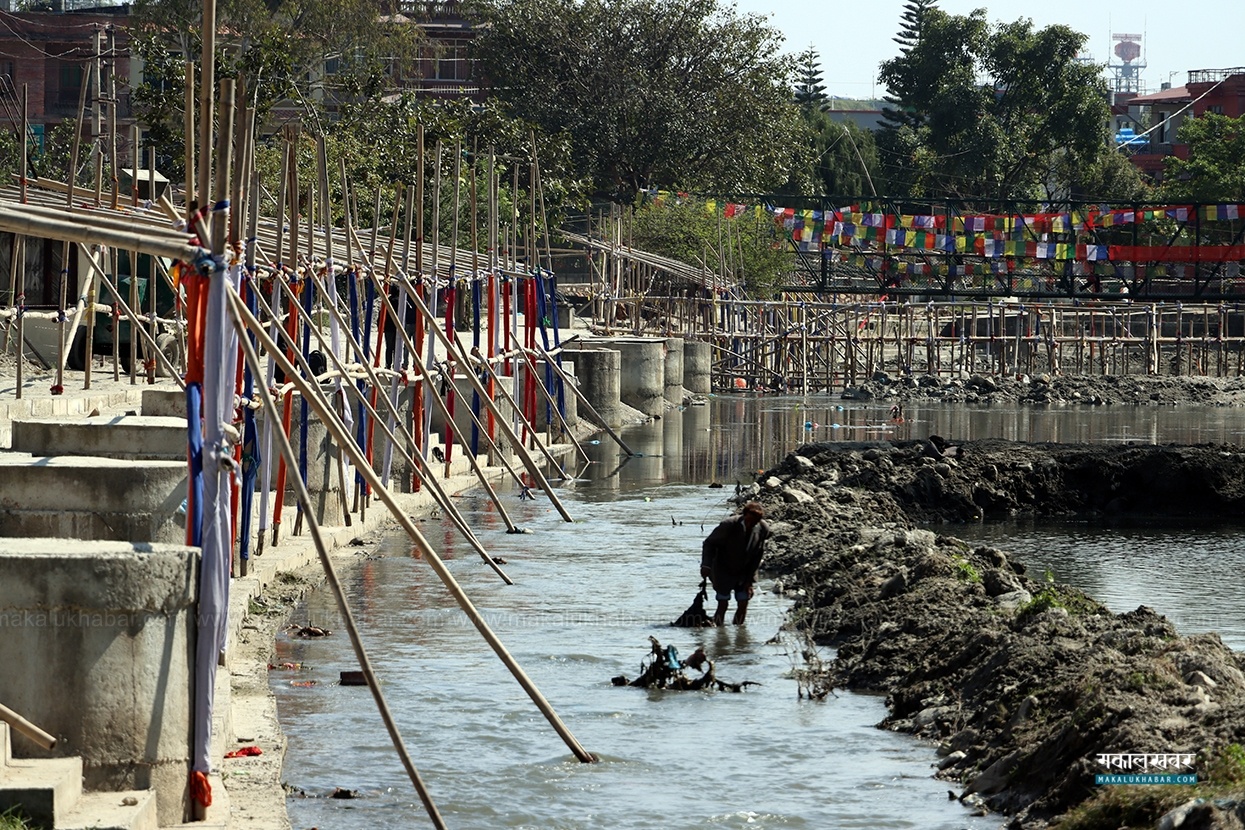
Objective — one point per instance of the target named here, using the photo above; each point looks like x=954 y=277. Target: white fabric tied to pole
x=399 y=357
x=220 y=358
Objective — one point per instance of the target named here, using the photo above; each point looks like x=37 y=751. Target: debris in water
x=665 y=671
x=308 y=631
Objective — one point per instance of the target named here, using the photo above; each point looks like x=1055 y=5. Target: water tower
x=1126 y=64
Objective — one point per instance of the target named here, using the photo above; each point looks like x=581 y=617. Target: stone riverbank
x=1021 y=682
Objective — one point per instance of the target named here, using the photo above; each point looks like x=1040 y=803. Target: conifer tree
x=911 y=23
x=810 y=92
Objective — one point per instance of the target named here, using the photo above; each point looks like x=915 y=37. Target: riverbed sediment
x=1022 y=682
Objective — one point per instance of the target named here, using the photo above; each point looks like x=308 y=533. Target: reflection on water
x=1180 y=572
x=589 y=594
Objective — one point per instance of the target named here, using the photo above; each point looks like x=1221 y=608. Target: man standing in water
x=730 y=557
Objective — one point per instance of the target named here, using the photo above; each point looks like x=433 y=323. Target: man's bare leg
x=741 y=611
x=719 y=616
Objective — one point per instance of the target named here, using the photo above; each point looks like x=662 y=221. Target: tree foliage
x=911 y=24
x=1215 y=168
x=747 y=246
x=992 y=106
x=680 y=95
x=306 y=51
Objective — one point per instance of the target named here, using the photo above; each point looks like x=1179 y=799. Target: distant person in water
x=897 y=414
x=730 y=556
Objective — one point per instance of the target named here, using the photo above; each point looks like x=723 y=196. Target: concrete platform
x=78 y=497
x=110 y=628
x=104 y=436
x=165 y=402
x=41 y=788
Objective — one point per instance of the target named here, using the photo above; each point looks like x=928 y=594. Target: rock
x=772 y=483
x=943 y=469
x=995 y=776
x=1174 y=819
x=1197 y=678
x=932 y=715
x=1014 y=600
x=893 y=586
x=952 y=759
x=803 y=462
x=998 y=582
x=792 y=495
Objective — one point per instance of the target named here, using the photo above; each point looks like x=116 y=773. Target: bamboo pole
x=326 y=562
x=27 y=729
x=510 y=434
x=243 y=319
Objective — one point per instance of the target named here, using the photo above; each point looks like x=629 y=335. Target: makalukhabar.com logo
x=1146 y=768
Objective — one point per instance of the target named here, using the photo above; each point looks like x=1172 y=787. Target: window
x=1217 y=109
x=1162 y=131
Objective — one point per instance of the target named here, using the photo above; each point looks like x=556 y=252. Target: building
x=1219 y=91
x=49 y=53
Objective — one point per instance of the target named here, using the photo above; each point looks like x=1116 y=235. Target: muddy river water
x=588 y=596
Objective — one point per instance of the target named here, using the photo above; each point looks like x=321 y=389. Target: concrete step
x=42 y=788
x=168 y=402
x=106 y=436
x=6 y=750
x=79 y=497
x=130 y=810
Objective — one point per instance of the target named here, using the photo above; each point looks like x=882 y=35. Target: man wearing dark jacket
x=730 y=557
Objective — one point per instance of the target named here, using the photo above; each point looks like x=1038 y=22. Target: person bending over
x=730 y=556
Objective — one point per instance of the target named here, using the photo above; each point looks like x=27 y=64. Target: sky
x=851 y=39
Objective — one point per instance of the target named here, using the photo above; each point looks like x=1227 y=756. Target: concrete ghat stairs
x=48 y=792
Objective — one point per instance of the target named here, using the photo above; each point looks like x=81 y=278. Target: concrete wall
x=97 y=644
x=697 y=366
x=597 y=371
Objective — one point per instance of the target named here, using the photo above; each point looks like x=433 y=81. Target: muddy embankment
x=1020 y=681
x=1044 y=389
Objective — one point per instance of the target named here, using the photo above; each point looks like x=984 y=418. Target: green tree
x=308 y=51
x=688 y=95
x=991 y=106
x=836 y=158
x=810 y=92
x=911 y=23
x=1215 y=168
x=750 y=246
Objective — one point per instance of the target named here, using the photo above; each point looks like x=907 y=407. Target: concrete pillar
x=698 y=366
x=642 y=371
x=323 y=480
x=674 y=370
x=597 y=371
x=98 y=649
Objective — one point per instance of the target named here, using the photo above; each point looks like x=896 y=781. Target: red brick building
x=50 y=52
x=1219 y=91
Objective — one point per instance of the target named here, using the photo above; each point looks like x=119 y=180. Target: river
x=589 y=594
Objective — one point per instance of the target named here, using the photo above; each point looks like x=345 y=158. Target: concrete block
x=112 y=811
x=77 y=497
x=41 y=788
x=110 y=627
x=698 y=366
x=165 y=403
x=597 y=371
x=673 y=371
x=642 y=372
x=109 y=436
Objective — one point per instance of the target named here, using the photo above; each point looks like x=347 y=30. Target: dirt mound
x=1045 y=389
x=1021 y=681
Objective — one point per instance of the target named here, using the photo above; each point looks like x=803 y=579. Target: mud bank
x=1056 y=390
x=1020 y=681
